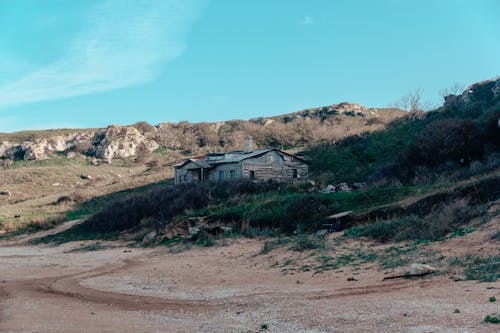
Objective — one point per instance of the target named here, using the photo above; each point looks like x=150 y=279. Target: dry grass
x=43 y=191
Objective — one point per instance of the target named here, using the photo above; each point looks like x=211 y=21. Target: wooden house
x=259 y=164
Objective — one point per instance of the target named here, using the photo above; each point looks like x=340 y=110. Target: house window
x=295 y=174
x=271 y=158
x=185 y=177
x=221 y=175
x=232 y=174
x=252 y=175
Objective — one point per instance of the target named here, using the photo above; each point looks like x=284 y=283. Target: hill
x=299 y=129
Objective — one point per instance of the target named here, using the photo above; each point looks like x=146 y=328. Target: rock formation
x=308 y=126
x=123 y=141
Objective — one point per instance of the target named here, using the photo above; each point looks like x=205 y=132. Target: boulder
x=343 y=187
x=416 y=269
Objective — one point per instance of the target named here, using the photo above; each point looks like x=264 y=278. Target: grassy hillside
x=419 y=147
x=426 y=175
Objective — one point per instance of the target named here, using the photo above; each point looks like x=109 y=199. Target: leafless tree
x=455 y=89
x=413 y=101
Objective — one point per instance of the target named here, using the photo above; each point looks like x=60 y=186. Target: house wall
x=213 y=174
x=187 y=173
x=274 y=165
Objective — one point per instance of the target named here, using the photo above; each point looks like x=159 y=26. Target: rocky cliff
x=304 y=127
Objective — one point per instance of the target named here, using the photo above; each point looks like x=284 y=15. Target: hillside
x=47 y=172
x=299 y=129
x=433 y=160
x=426 y=199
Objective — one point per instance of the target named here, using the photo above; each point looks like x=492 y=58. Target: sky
x=91 y=63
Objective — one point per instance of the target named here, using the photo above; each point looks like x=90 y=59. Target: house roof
x=231 y=157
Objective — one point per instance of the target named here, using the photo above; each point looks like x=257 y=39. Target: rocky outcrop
x=121 y=142
x=310 y=126
x=42 y=148
x=5 y=148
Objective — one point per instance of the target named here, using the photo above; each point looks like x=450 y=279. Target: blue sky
x=97 y=62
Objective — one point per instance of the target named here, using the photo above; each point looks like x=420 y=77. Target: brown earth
x=234 y=288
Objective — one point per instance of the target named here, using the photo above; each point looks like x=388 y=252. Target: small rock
x=352 y=279
x=89 y=177
x=421 y=269
x=56 y=184
x=70 y=154
x=6 y=193
x=94 y=162
x=343 y=187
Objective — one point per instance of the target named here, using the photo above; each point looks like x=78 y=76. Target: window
x=232 y=174
x=252 y=175
x=271 y=158
x=295 y=174
x=221 y=175
x=185 y=177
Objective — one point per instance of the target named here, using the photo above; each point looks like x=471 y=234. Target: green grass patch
x=484 y=269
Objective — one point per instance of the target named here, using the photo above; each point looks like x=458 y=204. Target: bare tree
x=412 y=101
x=455 y=89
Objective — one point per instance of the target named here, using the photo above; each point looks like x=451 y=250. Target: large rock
x=8 y=149
x=121 y=142
x=42 y=148
x=421 y=269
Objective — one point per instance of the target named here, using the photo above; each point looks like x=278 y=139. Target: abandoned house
x=259 y=164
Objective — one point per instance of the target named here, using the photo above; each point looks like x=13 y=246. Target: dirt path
x=220 y=289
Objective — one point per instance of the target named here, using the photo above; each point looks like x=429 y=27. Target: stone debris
x=342 y=187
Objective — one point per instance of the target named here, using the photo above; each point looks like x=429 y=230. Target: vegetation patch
x=492 y=319
x=90 y=247
x=484 y=269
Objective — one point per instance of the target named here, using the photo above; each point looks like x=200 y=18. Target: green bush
x=492 y=319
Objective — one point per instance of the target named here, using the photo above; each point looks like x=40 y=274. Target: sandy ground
x=230 y=288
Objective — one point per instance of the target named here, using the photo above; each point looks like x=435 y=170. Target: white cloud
x=125 y=43
x=307 y=20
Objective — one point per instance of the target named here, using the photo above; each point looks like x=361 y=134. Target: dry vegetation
x=42 y=192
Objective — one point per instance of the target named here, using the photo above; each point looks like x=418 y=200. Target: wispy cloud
x=307 y=20
x=125 y=43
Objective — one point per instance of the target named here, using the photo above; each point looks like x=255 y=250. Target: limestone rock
x=421 y=269
x=123 y=141
x=9 y=149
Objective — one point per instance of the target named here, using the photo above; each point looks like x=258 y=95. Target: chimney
x=248 y=144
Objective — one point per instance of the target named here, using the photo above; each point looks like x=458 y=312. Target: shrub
x=492 y=319
x=163 y=203
x=446 y=140
x=444 y=219
x=305 y=243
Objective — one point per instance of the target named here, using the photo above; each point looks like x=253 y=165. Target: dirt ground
x=231 y=288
